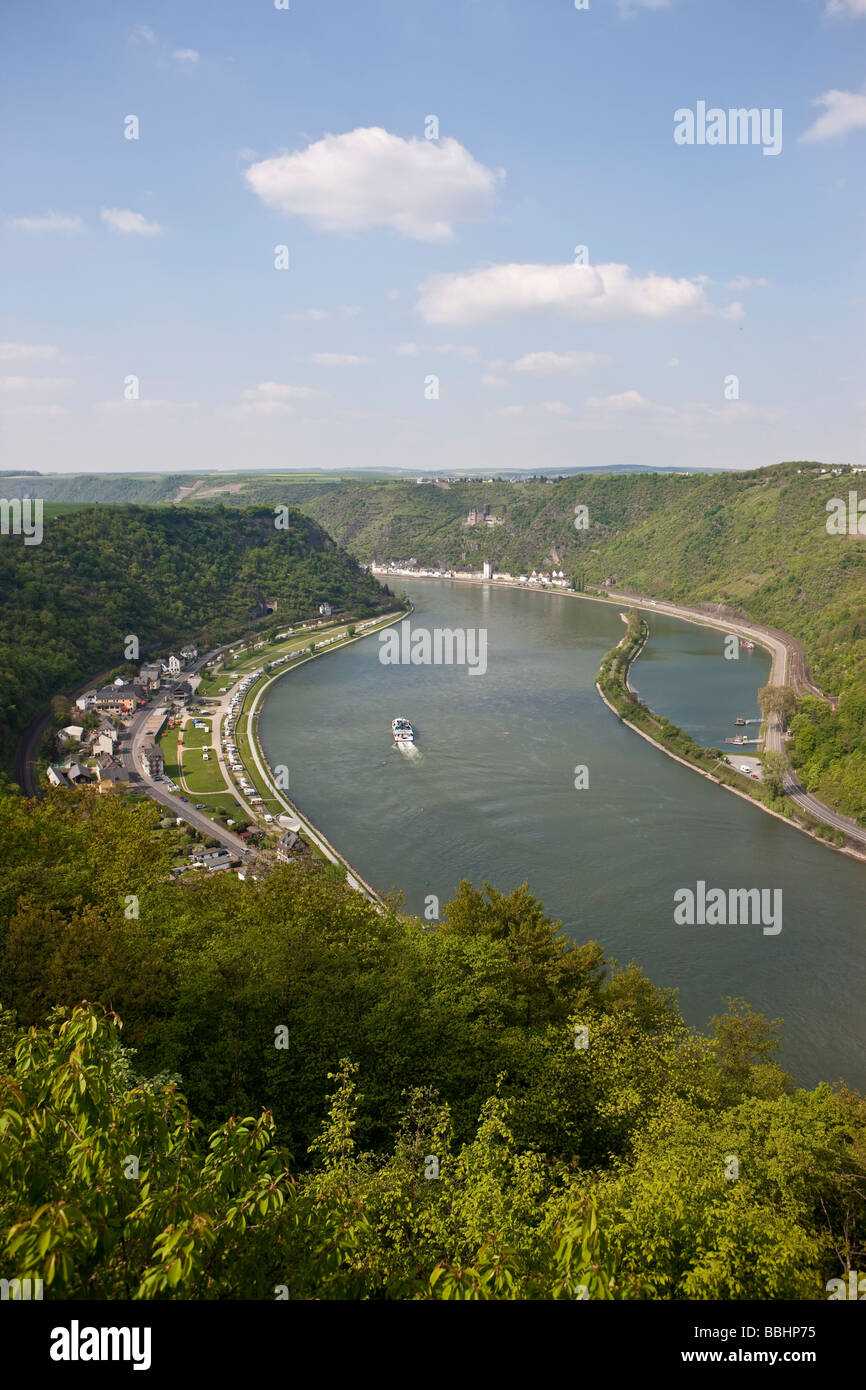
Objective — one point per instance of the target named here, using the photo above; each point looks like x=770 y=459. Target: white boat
x=402 y=731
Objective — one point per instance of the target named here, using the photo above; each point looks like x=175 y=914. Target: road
x=129 y=753
x=788 y=667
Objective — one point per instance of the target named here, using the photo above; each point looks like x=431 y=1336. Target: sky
x=470 y=234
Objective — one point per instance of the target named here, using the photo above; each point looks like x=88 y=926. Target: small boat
x=738 y=720
x=402 y=731
x=749 y=646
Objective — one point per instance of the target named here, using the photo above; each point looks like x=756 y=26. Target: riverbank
x=788 y=665
x=615 y=689
x=265 y=772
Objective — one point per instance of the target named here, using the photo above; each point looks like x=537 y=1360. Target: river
x=488 y=792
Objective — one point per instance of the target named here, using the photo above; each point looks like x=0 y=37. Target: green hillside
x=756 y=543
x=165 y=574
x=383 y=1108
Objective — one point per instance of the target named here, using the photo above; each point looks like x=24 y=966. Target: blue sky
x=413 y=259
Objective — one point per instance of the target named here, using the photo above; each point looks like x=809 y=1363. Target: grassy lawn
x=168 y=744
x=201 y=776
x=244 y=662
x=215 y=802
x=196 y=738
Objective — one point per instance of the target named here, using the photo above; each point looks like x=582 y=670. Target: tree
x=778 y=700
x=774 y=766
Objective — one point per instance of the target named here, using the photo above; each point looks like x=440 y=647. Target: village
x=548 y=579
x=181 y=731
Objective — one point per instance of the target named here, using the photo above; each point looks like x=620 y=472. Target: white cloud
x=141 y=34
x=278 y=391
x=851 y=8
x=470 y=354
x=273 y=398
x=371 y=178
x=589 y=293
x=844 y=112
x=33 y=352
x=186 y=55
x=33 y=383
x=555 y=408
x=745 y=282
x=124 y=220
x=339 y=359
x=320 y=315
x=559 y=363
x=306 y=315
x=49 y=222
x=626 y=400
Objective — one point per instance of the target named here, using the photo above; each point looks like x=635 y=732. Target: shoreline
x=781 y=648
x=263 y=767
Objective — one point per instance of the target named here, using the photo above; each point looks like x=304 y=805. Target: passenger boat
x=402 y=731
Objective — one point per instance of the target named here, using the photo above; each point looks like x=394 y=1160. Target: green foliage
x=479 y=1111
x=167 y=575
x=829 y=752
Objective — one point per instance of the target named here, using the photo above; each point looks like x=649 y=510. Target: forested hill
x=755 y=542
x=471 y=1108
x=167 y=575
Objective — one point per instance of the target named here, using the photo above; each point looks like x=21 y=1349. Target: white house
x=174 y=665
x=72 y=732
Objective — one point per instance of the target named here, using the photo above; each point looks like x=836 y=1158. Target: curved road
x=129 y=753
x=788 y=667
x=25 y=774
